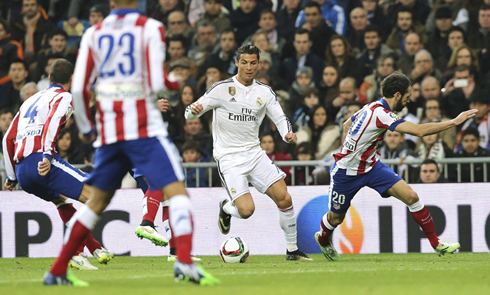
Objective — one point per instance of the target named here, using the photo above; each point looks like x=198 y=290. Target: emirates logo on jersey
x=232 y=90
x=259 y=101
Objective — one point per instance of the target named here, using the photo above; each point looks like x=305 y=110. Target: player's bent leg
x=146 y=229
x=243 y=207
x=403 y=192
x=85 y=194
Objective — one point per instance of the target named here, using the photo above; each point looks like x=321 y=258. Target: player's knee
x=412 y=198
x=284 y=200
x=336 y=219
x=246 y=212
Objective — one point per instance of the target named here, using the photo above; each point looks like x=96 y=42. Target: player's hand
x=464 y=116
x=10 y=185
x=196 y=108
x=291 y=137
x=163 y=105
x=44 y=166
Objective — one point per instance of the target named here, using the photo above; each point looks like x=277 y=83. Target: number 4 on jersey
x=32 y=111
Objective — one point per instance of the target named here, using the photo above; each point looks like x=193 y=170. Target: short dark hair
x=462 y=68
x=61 y=71
x=19 y=61
x=6 y=110
x=430 y=161
x=228 y=31
x=314 y=4
x=471 y=131
x=57 y=32
x=247 y=49
x=372 y=28
x=267 y=11
x=191 y=145
x=484 y=7
x=395 y=82
x=178 y=38
x=310 y=92
x=301 y=31
x=457 y=29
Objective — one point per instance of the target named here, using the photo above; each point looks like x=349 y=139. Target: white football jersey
x=360 y=151
x=238 y=111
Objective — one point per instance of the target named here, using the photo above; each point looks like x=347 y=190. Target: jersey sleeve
x=276 y=114
x=83 y=78
x=60 y=110
x=9 y=148
x=210 y=100
x=387 y=119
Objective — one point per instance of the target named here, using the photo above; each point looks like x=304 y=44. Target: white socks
x=287 y=221
x=232 y=210
x=180 y=215
x=416 y=207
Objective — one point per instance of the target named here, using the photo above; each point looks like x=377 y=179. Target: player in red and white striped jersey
x=126 y=53
x=357 y=164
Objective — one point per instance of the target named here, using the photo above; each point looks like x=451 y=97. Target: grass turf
x=415 y=274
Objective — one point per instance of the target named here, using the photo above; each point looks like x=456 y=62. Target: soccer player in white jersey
x=125 y=52
x=239 y=106
x=358 y=165
x=31 y=160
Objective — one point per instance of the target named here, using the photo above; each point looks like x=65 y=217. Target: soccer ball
x=234 y=250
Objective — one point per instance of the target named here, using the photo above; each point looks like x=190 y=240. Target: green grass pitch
x=415 y=274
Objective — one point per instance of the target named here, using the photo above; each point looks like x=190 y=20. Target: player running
x=31 y=159
x=358 y=165
x=126 y=54
x=239 y=106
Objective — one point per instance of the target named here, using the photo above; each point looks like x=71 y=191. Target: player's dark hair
x=471 y=131
x=61 y=71
x=396 y=82
x=248 y=49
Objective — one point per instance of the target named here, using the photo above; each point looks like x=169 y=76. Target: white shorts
x=253 y=166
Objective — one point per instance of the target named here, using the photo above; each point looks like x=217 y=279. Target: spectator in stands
x=193 y=130
x=479 y=38
x=374 y=48
x=432 y=147
x=182 y=68
x=332 y=13
x=10 y=91
x=457 y=95
x=164 y=8
x=429 y=172
x=433 y=113
x=301 y=115
x=438 y=45
x=268 y=144
x=66 y=148
x=205 y=42
x=28 y=90
x=348 y=92
x=412 y=44
x=320 y=32
x=302 y=45
x=178 y=25
x=370 y=88
x=471 y=148
x=192 y=153
x=213 y=75
x=395 y=147
x=351 y=108
x=302 y=85
x=261 y=40
x=224 y=59
x=245 y=19
x=404 y=25
x=214 y=14
x=329 y=86
x=268 y=25
x=463 y=55
x=419 y=8
x=480 y=100
x=375 y=15
x=429 y=88
x=303 y=152
x=44 y=82
x=176 y=50
x=340 y=55
x=286 y=22
x=6 y=117
x=31 y=29
x=454 y=7
x=81 y=10
x=174 y=115
x=355 y=33
x=324 y=137
x=455 y=39
x=97 y=14
x=10 y=50
x=424 y=67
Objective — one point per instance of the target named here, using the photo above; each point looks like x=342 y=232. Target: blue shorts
x=156 y=158
x=63 y=178
x=343 y=187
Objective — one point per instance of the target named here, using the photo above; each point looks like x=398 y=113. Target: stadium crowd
x=324 y=59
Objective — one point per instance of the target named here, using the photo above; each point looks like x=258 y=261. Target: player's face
x=455 y=39
x=402 y=102
x=429 y=173
x=267 y=144
x=338 y=48
x=247 y=65
x=470 y=143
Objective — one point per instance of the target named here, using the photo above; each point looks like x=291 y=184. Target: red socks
x=183 y=246
x=153 y=199
x=326 y=231
x=424 y=220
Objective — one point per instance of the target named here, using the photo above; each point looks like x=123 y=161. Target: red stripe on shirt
x=380 y=124
x=20 y=154
x=142 y=118
x=86 y=79
x=117 y=108
x=362 y=165
x=141 y=21
x=148 y=65
x=100 y=114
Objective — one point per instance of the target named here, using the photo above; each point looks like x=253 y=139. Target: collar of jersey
x=124 y=11
x=55 y=85
x=385 y=104
x=240 y=84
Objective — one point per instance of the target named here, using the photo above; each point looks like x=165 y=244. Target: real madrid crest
x=259 y=101
x=232 y=90
x=233 y=191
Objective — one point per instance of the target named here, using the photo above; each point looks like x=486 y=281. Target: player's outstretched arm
x=432 y=128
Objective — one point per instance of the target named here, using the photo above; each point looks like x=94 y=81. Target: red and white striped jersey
x=360 y=151
x=36 y=126
x=125 y=53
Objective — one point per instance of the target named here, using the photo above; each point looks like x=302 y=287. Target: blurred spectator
x=413 y=43
x=97 y=14
x=480 y=100
x=303 y=57
x=303 y=152
x=286 y=19
x=374 y=48
x=212 y=75
x=10 y=91
x=268 y=24
x=196 y=9
x=214 y=14
x=261 y=40
x=44 y=82
x=193 y=130
x=324 y=137
x=340 y=55
x=424 y=67
x=455 y=38
x=174 y=115
x=10 y=50
x=182 y=68
x=332 y=13
x=404 y=25
x=463 y=55
x=471 y=148
x=192 y=153
x=268 y=144
x=245 y=19
x=28 y=90
x=6 y=117
x=31 y=29
x=348 y=92
x=301 y=116
x=164 y=8
x=302 y=85
x=224 y=59
x=355 y=33
x=395 y=147
x=479 y=38
x=454 y=7
x=176 y=50
x=320 y=32
x=429 y=172
x=375 y=15
x=457 y=94
x=419 y=8
x=370 y=88
x=433 y=113
x=429 y=88
x=438 y=45
x=81 y=10
x=468 y=15
x=328 y=89
x=177 y=25
x=204 y=43
x=432 y=147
